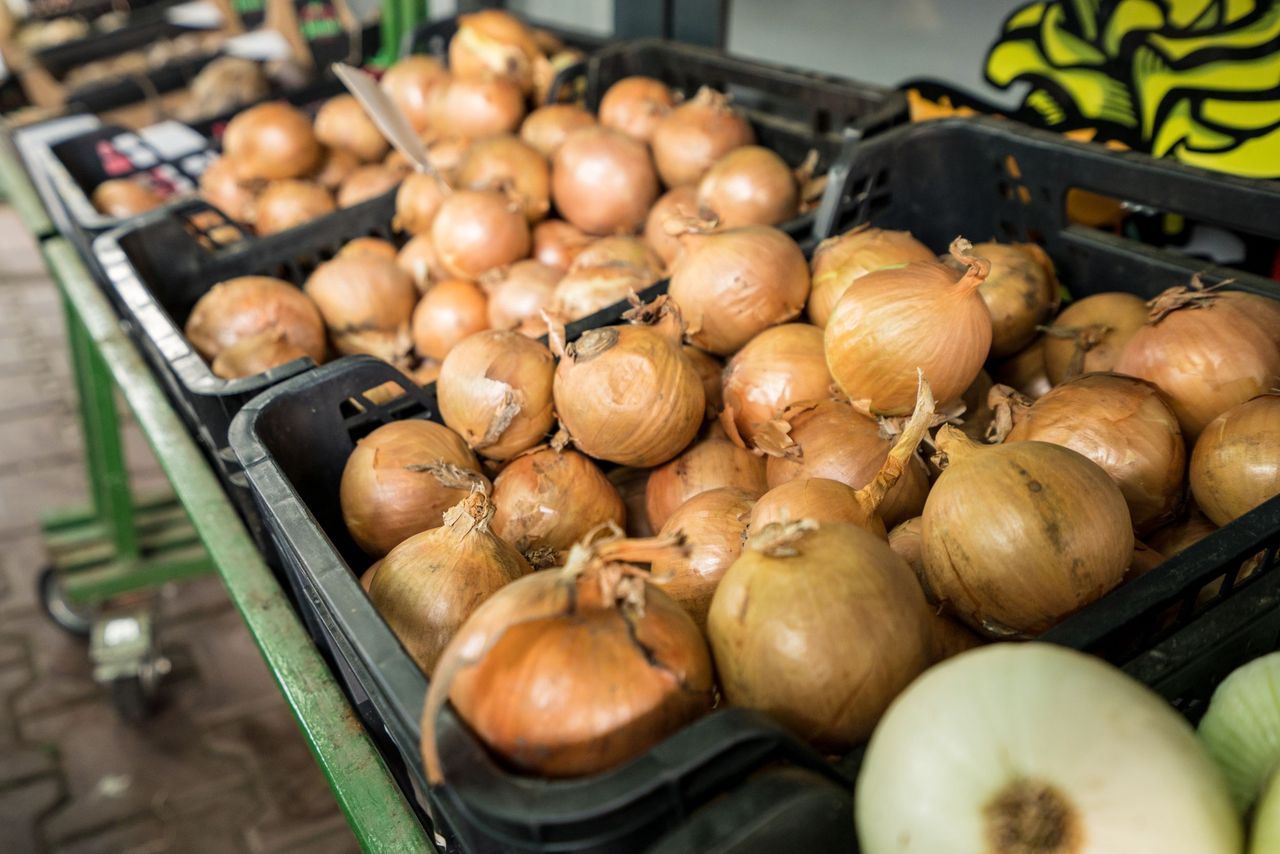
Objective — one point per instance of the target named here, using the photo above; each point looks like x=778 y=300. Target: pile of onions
x=418 y=201
x=518 y=294
x=1236 y=465
x=400 y=479
x=548 y=500
x=271 y=141
x=546 y=128
x=505 y=163
x=556 y=243
x=635 y=106
x=1041 y=749
x=1090 y=333
x=493 y=42
x=750 y=185
x=222 y=188
x=366 y=182
x=573 y=671
x=122 y=197
x=494 y=390
x=285 y=204
x=427 y=586
x=474 y=107
x=246 y=307
x=898 y=320
x=712 y=463
x=451 y=311
x=476 y=230
x=366 y=301
x=1052 y=553
x=693 y=136
x=603 y=181
x=839 y=261
x=733 y=284
x=1021 y=291
x=779 y=367
x=418 y=258
x=410 y=83
x=713 y=525
x=1188 y=329
x=820 y=626
x=342 y=123
x=675 y=206
x=629 y=394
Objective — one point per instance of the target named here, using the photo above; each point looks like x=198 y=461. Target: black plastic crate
x=141 y=30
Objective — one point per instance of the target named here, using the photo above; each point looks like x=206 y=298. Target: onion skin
x=271 y=141
x=779 y=367
x=450 y=312
x=518 y=294
x=286 y=204
x=1235 y=466
x=583 y=291
x=548 y=500
x=695 y=135
x=839 y=261
x=820 y=626
x=248 y=306
x=429 y=584
x=750 y=185
x=123 y=197
x=1051 y=553
x=620 y=252
x=409 y=83
x=342 y=123
x=222 y=189
x=631 y=484
x=494 y=390
x=477 y=230
x=557 y=243
x=475 y=107
x=603 y=181
x=503 y=161
x=635 y=106
x=1021 y=291
x=255 y=355
x=418 y=258
x=334 y=167
x=817 y=498
x=367 y=302
x=1193 y=527
x=1104 y=323
x=712 y=463
x=368 y=246
x=388 y=495
x=674 y=206
x=709 y=369
x=418 y=201
x=546 y=128
x=714 y=525
x=494 y=42
x=365 y=183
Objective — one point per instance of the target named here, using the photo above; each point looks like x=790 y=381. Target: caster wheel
x=72 y=619
x=134 y=698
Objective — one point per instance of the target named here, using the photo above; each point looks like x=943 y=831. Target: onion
x=583 y=291
x=248 y=306
x=750 y=185
x=820 y=626
x=1050 y=554
x=475 y=107
x=429 y=584
x=734 y=284
x=839 y=261
x=571 y=672
x=1264 y=835
x=709 y=371
x=898 y=320
x=675 y=206
x=365 y=183
x=1235 y=466
x=695 y=135
x=546 y=128
x=368 y=246
x=418 y=201
x=556 y=243
x=366 y=301
x=1193 y=527
x=399 y=164
x=1041 y=749
x=1207 y=351
x=1090 y=333
x=1241 y=729
x=271 y=141
x=603 y=181
x=221 y=188
x=366 y=578
x=477 y=230
x=949 y=636
x=505 y=163
x=620 y=252
x=334 y=167
x=1021 y=291
x=548 y=500
x=124 y=197
x=400 y=479
x=712 y=463
x=286 y=204
x=409 y=84
x=450 y=312
x=444 y=156
x=494 y=391
x=631 y=484
x=629 y=394
x=714 y=525
x=518 y=294
x=418 y=258
x=256 y=354
x=342 y=123
x=635 y=105
x=1025 y=371
x=427 y=372
x=779 y=367
x=494 y=42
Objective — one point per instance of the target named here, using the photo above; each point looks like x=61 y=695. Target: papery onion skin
x=387 y=494
x=710 y=370
x=286 y=204
x=247 y=306
x=494 y=42
x=1014 y=762
x=817 y=498
x=367 y=302
x=409 y=84
x=549 y=500
x=1020 y=292
x=712 y=463
x=475 y=231
x=418 y=258
x=635 y=106
x=1177 y=536
x=366 y=182
x=620 y=252
x=475 y=107
x=546 y=128
x=504 y=162
x=418 y=201
x=675 y=205
x=695 y=135
x=1107 y=319
x=1235 y=466
x=222 y=189
x=518 y=294
x=750 y=185
x=271 y=141
x=779 y=367
x=714 y=526
x=450 y=312
x=342 y=123
x=557 y=243
x=603 y=181
x=839 y=261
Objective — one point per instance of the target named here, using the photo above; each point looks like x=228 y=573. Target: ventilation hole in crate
x=1003 y=188
x=1024 y=195
x=1012 y=168
x=1046 y=195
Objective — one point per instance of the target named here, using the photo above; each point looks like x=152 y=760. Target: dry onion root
x=367 y=302
x=250 y=306
x=1235 y=466
x=841 y=260
x=778 y=368
x=1090 y=333
x=712 y=463
x=713 y=525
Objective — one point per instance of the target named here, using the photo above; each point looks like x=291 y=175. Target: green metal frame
x=398 y=18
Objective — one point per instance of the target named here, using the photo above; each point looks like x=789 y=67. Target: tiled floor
x=221 y=767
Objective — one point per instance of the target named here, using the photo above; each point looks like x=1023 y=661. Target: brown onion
x=1193 y=527
x=368 y=246
x=398 y=481
x=366 y=301
x=710 y=370
x=841 y=260
x=546 y=128
x=556 y=243
x=750 y=185
x=429 y=584
x=334 y=167
x=505 y=163
x=675 y=206
x=418 y=259
x=899 y=320
x=398 y=163
x=124 y=197
x=733 y=284
x=494 y=42
x=1024 y=371
x=366 y=578
x=256 y=354
x=518 y=294
x=950 y=637
x=477 y=230
x=474 y=107
x=418 y=201
x=780 y=367
x=1236 y=465
x=603 y=181
x=222 y=189
x=631 y=483
x=1021 y=291
x=712 y=463
x=343 y=123
x=548 y=500
x=714 y=526
x=444 y=155
x=583 y=291
x=494 y=390
x=286 y=204
x=450 y=312
x=409 y=84
x=1053 y=552
x=365 y=183
x=635 y=105
x=248 y=306
x=695 y=135
x=271 y=141
x=1090 y=333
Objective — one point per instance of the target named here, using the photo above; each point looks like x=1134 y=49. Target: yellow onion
x=505 y=163
x=820 y=626
x=1206 y=350
x=477 y=230
x=255 y=354
x=1021 y=291
x=450 y=312
x=427 y=372
x=619 y=252
x=629 y=394
x=518 y=294
x=839 y=261
x=1125 y=426
x=494 y=42
x=1235 y=466
x=603 y=181
x=334 y=167
x=711 y=463
x=631 y=483
x=1193 y=527
x=750 y=185
x=548 y=500
x=779 y=367
x=367 y=302
x=675 y=207
x=368 y=246
x=124 y=197
x=733 y=284
x=365 y=183
x=546 y=128
x=418 y=201
x=635 y=105
x=222 y=189
x=583 y=291
x=709 y=370
x=1063 y=537
x=1025 y=371
x=248 y=306
x=473 y=107
x=366 y=578
x=494 y=390
x=693 y=136
x=1090 y=333
x=429 y=584
x=950 y=637
x=286 y=204
x=556 y=243
x=343 y=123
x=271 y=141
x=400 y=479
x=574 y=671
x=409 y=84
x=418 y=258
x=444 y=156
x=899 y=320
x=713 y=525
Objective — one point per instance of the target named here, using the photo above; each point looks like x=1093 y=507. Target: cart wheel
x=134 y=697
x=72 y=619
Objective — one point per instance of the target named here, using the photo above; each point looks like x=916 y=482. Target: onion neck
x=871 y=496
x=471 y=514
x=1032 y=817
x=1176 y=299
x=976 y=269
x=1008 y=407
x=952 y=444
x=1085 y=339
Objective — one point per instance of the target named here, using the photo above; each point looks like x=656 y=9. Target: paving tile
x=143 y=833
x=231 y=679
x=20 y=764
x=61 y=673
x=26 y=496
x=193 y=599
x=33 y=324
x=21 y=809
x=37 y=436
x=19 y=255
